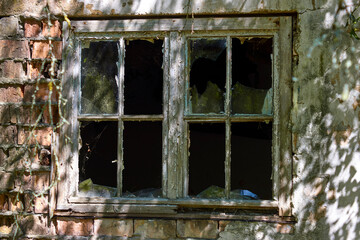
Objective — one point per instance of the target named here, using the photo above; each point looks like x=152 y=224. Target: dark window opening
x=251 y=161
x=97 y=158
x=252 y=76
x=207 y=75
x=99 y=90
x=143 y=91
x=206 y=160
x=142 y=174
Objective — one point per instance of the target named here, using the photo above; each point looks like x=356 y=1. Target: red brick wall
x=23 y=48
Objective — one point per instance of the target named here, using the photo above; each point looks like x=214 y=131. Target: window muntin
x=251 y=27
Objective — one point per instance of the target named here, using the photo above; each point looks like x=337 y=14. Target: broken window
x=165 y=116
x=223 y=157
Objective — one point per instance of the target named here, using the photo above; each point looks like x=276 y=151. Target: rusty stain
x=92 y=11
x=123 y=4
x=112 y=12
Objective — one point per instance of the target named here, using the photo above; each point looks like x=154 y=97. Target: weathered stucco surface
x=326 y=103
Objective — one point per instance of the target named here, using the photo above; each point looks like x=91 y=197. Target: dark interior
x=142 y=156
x=251 y=161
x=251 y=62
x=143 y=92
x=207 y=156
x=98 y=151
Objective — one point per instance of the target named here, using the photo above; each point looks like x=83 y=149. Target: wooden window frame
x=175 y=33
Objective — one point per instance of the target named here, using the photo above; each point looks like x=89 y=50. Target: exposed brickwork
x=5 y=114
x=40 y=49
x=16 y=203
x=162 y=229
x=74 y=227
x=36 y=204
x=42 y=94
x=36 y=181
x=8 y=134
x=41 y=136
x=197 y=228
x=55 y=29
x=10 y=69
x=4 y=203
x=14 y=49
x=11 y=94
x=113 y=227
x=6 y=181
x=32 y=28
x=9 y=27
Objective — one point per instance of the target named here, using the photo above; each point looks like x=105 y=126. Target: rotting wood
x=121 y=79
x=190 y=216
x=142 y=117
x=203 y=24
x=193 y=203
x=175 y=157
x=227 y=163
x=165 y=125
x=122 y=208
x=285 y=88
x=68 y=170
x=176 y=90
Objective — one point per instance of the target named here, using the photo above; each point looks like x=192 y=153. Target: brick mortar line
x=31 y=38
x=28 y=104
x=24 y=81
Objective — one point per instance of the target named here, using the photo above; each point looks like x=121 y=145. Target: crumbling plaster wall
x=325 y=114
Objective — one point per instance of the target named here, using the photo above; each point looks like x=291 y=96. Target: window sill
x=167 y=211
x=235 y=210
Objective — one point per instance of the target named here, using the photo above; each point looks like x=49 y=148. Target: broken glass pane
x=251 y=160
x=143 y=77
x=98 y=158
x=206 y=160
x=207 y=75
x=142 y=174
x=251 y=76
x=99 y=88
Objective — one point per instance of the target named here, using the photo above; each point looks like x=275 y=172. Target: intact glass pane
x=207 y=75
x=251 y=76
x=99 y=88
x=251 y=160
x=206 y=160
x=143 y=91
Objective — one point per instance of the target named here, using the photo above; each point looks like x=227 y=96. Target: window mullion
x=175 y=167
x=228 y=124
x=165 y=131
x=120 y=82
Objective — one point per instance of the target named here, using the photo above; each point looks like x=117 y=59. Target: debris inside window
x=207 y=156
x=207 y=75
x=99 y=90
x=143 y=77
x=251 y=76
x=97 y=158
x=218 y=192
x=142 y=174
x=251 y=158
x=88 y=189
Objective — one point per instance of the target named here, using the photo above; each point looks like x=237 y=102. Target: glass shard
x=207 y=75
x=99 y=88
x=251 y=76
x=97 y=159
